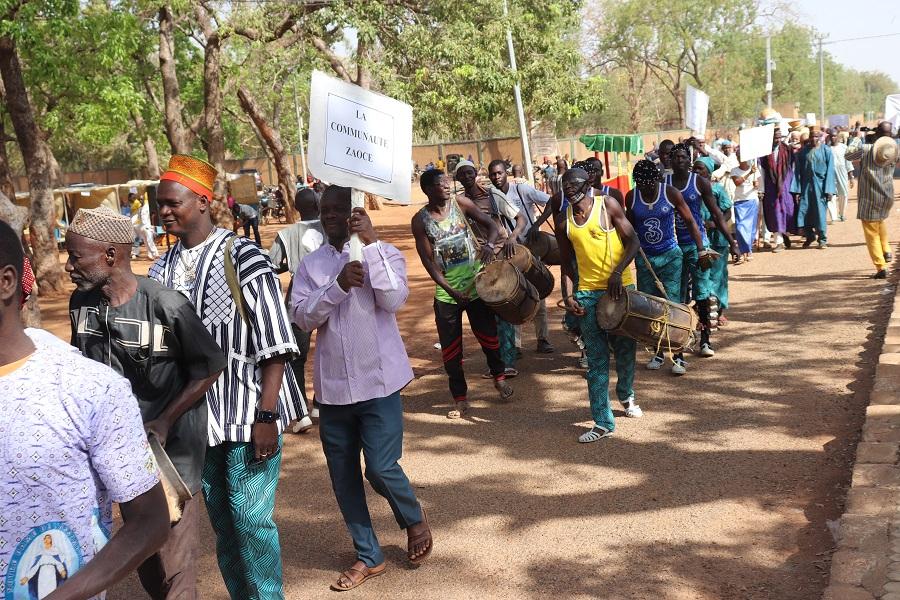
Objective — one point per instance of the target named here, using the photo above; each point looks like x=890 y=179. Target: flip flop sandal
x=509 y=372
x=369 y=573
x=461 y=410
x=415 y=541
x=506 y=392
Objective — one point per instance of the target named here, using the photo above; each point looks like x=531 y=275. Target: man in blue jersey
x=653 y=207
x=695 y=280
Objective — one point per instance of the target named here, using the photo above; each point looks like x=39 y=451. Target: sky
x=842 y=19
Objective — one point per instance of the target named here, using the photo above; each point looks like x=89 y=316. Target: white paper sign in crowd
x=892 y=111
x=756 y=141
x=360 y=139
x=696 y=110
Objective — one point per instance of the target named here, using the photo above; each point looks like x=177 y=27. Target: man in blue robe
x=813 y=186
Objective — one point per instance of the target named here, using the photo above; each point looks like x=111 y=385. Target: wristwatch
x=266 y=416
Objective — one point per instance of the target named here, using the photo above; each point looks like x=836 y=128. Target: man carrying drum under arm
x=596 y=232
x=651 y=208
x=447 y=250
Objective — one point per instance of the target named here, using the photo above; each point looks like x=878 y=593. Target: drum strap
x=659 y=284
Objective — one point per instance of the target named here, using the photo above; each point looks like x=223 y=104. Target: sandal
x=506 y=392
x=509 y=372
x=596 y=433
x=412 y=542
x=355 y=577
x=461 y=410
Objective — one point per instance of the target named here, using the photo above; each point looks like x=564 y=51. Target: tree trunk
x=57 y=179
x=17 y=217
x=363 y=77
x=149 y=145
x=180 y=137
x=35 y=155
x=272 y=138
x=6 y=185
x=212 y=115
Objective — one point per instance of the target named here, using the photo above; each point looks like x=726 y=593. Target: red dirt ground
x=722 y=490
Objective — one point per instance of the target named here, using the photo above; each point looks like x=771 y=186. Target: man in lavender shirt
x=361 y=366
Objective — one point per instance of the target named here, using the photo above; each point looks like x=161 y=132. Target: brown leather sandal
x=356 y=577
x=414 y=541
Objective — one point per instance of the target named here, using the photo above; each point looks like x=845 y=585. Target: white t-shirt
x=745 y=191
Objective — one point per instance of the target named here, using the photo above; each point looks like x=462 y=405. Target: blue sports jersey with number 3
x=655 y=222
x=692 y=197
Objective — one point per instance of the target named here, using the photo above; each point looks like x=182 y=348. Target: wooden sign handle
x=357 y=200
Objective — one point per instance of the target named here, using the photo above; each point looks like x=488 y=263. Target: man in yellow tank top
x=596 y=232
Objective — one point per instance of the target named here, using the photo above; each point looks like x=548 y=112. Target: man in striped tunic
x=876 y=198
x=237 y=296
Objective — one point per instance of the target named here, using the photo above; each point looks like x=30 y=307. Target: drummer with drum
x=652 y=208
x=526 y=199
x=448 y=251
x=695 y=283
x=510 y=223
x=597 y=234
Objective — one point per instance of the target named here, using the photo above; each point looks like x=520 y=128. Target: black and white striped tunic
x=232 y=400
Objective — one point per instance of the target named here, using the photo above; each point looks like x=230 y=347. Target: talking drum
x=534 y=271
x=544 y=246
x=656 y=322
x=506 y=291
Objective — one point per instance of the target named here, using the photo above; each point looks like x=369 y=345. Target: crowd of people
x=185 y=381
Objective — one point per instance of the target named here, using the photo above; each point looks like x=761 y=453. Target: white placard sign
x=696 y=110
x=756 y=141
x=810 y=119
x=360 y=139
x=892 y=111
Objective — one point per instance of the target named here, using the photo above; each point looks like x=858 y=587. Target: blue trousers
x=240 y=500
x=746 y=224
x=596 y=347
x=376 y=428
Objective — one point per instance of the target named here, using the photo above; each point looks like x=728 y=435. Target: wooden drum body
x=654 y=321
x=545 y=247
x=534 y=271
x=505 y=290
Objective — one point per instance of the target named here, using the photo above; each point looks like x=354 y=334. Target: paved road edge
x=866 y=562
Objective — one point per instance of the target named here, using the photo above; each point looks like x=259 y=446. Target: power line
x=868 y=37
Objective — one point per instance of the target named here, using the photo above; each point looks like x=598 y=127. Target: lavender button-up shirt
x=359 y=353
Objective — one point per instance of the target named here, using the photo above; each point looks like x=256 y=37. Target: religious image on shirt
x=42 y=562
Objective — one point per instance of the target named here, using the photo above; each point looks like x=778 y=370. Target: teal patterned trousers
x=506 y=334
x=597 y=344
x=240 y=500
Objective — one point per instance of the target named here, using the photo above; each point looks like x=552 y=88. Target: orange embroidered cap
x=193 y=173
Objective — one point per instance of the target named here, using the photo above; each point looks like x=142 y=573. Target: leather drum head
x=522 y=258
x=610 y=313
x=498 y=282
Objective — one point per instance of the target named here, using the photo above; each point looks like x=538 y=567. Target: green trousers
x=240 y=500
x=597 y=344
x=693 y=275
x=506 y=334
x=667 y=267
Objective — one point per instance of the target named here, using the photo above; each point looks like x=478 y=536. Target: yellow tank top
x=597 y=250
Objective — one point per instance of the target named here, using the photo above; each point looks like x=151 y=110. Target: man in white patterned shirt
x=237 y=296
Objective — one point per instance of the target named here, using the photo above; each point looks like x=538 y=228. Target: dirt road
x=722 y=490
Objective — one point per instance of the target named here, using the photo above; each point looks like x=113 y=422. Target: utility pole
x=769 y=71
x=523 y=129
x=300 y=135
x=822 y=123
